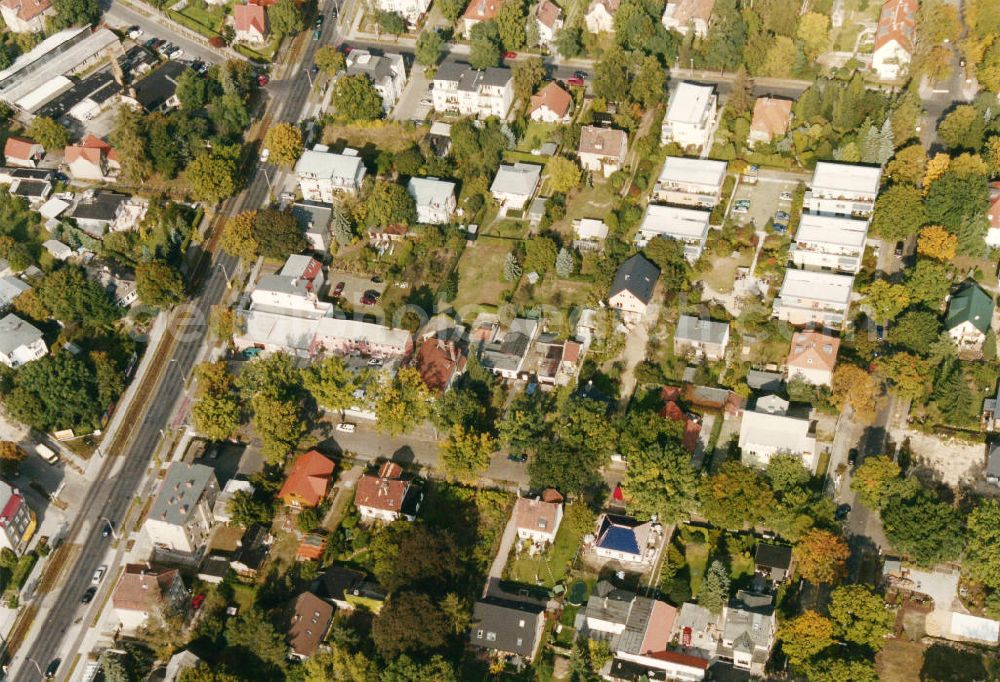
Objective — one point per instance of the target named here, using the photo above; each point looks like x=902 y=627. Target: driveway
x=635 y=346
x=500 y=560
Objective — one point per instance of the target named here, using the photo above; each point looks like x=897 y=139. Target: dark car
x=842 y=512
x=514 y=457
x=852 y=456
x=315 y=69
x=50 y=672
x=582 y=75
x=899 y=250
x=88 y=596
x=376 y=280
x=368 y=300
x=338 y=290
x=371 y=293
x=107 y=530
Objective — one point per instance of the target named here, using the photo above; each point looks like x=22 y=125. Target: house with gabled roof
x=602 y=150
x=632 y=289
x=439 y=361
x=769 y=430
x=308 y=481
x=22 y=153
x=514 y=184
x=26 y=16
x=144 y=590
x=551 y=104
x=895 y=37
x=91 y=159
x=479 y=11
x=507 y=628
x=747 y=636
x=970 y=314
x=308 y=618
x=774 y=562
x=705 y=338
x=813 y=357
x=250 y=23
x=600 y=16
x=20 y=342
x=624 y=539
x=688 y=15
x=434 y=199
x=549 y=19
x=538 y=519
x=386 y=496
x=770 y=120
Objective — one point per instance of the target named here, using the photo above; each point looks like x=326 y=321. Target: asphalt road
x=120 y=16
x=111 y=496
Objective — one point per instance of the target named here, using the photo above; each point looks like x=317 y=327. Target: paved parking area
x=764 y=199
x=354 y=288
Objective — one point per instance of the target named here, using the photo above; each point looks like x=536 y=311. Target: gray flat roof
x=182 y=488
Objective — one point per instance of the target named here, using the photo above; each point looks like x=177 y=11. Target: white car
x=135 y=33
x=346 y=427
x=785 y=196
x=176 y=54
x=374 y=362
x=99 y=574
x=265 y=154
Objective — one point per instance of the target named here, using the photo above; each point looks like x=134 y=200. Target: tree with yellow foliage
x=937 y=166
x=936 y=242
x=854 y=387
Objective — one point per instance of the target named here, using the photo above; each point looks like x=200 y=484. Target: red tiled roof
x=548 y=13
x=19 y=148
x=898 y=21
x=553 y=97
x=28 y=9
x=90 y=148
x=679 y=659
x=142 y=587
x=535 y=515
x=482 y=10
x=308 y=480
x=437 y=360
x=385 y=491
x=246 y=17
x=672 y=411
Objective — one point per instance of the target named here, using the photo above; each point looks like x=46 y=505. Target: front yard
x=551 y=567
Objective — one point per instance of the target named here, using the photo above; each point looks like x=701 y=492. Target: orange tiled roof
x=553 y=97
x=771 y=116
x=309 y=478
x=813 y=350
x=898 y=21
x=28 y=9
x=482 y=10
x=247 y=17
x=19 y=148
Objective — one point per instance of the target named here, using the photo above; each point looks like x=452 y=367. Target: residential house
x=991 y=412
x=705 y=338
x=250 y=23
x=20 y=342
x=697 y=631
x=602 y=150
x=507 y=628
x=687 y=225
x=600 y=16
x=514 y=184
x=347 y=589
x=479 y=11
x=308 y=620
x=439 y=361
x=387 y=496
x=843 y=189
x=324 y=175
x=688 y=15
x=411 y=10
x=505 y=352
x=158 y=90
x=551 y=104
x=26 y=16
x=747 y=637
x=35 y=192
x=993 y=216
x=658 y=665
x=314 y=219
x=251 y=551
x=673 y=411
x=537 y=520
x=770 y=120
x=549 y=19
x=970 y=314
x=774 y=562
x=434 y=199
x=119 y=284
x=91 y=159
x=832 y=243
x=54 y=207
x=307 y=482
x=95 y=212
x=17 y=520
x=813 y=298
x=220 y=512
x=894 y=39
x=439 y=138
x=690 y=117
x=458 y=88
x=387 y=74
x=632 y=289
x=10 y=288
x=812 y=357
x=143 y=591
x=769 y=430
x=180 y=518
x=383 y=237
x=690 y=182
x=993 y=464
x=589 y=233
x=623 y=539
x=22 y=153
x=178 y=663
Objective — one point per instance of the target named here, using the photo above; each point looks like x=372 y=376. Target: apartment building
x=323 y=175
x=458 y=88
x=808 y=297
x=687 y=225
x=894 y=39
x=690 y=117
x=843 y=189
x=690 y=182
x=17 y=520
x=387 y=74
x=434 y=199
x=832 y=243
x=181 y=517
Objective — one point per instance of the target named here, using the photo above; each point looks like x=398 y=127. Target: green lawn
x=551 y=567
x=537 y=134
x=696 y=556
x=722 y=276
x=480 y=272
x=209 y=16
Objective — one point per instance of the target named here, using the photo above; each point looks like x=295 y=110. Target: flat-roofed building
x=808 y=297
x=829 y=243
x=690 y=115
x=843 y=189
x=686 y=225
x=690 y=182
x=323 y=175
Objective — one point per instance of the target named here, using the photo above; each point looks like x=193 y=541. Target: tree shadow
x=943 y=663
x=404 y=456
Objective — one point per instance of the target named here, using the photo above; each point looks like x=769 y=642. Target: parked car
x=50 y=672
x=519 y=458
x=177 y=53
x=781 y=216
x=99 y=574
x=134 y=32
x=898 y=253
x=317 y=32
x=582 y=75
x=376 y=280
x=779 y=228
x=374 y=362
x=262 y=79
x=150 y=42
x=107 y=530
x=338 y=290
x=510 y=54
x=852 y=456
x=265 y=154
x=741 y=208
x=88 y=596
x=575 y=81
x=346 y=427
x=842 y=512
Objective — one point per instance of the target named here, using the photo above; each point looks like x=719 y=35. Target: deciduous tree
x=982 y=554
x=56 y=392
x=409 y=622
x=860 y=617
x=465 y=454
x=735 y=497
x=528 y=75
x=805 y=636
x=854 y=387
x=355 y=99
x=928 y=283
x=48 y=133
x=238 y=236
x=277 y=233
x=330 y=383
x=484 y=42
x=909 y=374
x=401 y=403
x=330 y=60
x=962 y=128
x=909 y=165
x=611 y=79
x=128 y=137
x=388 y=204
x=73 y=297
x=821 y=556
x=886 y=300
x=429 y=47
x=510 y=24
x=11 y=456
x=280 y=425
x=75 y=12
x=650 y=84
x=936 y=242
x=159 y=284
x=899 y=212
x=285 y=18
x=924 y=527
x=814 y=32
x=539 y=254
x=284 y=141
x=564 y=174
x=212 y=175
x=392 y=23
x=660 y=481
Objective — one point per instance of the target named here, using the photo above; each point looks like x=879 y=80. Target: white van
x=45 y=452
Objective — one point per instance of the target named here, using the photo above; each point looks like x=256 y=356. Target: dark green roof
x=970 y=304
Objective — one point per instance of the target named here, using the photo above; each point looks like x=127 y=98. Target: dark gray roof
x=773 y=556
x=764 y=381
x=159 y=86
x=337 y=581
x=451 y=71
x=496 y=76
x=503 y=625
x=993 y=462
x=30 y=188
x=637 y=276
x=182 y=488
x=312 y=215
x=101 y=206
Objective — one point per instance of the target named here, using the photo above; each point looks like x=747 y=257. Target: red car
x=575 y=80
x=510 y=55
x=338 y=290
x=198 y=600
x=263 y=80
